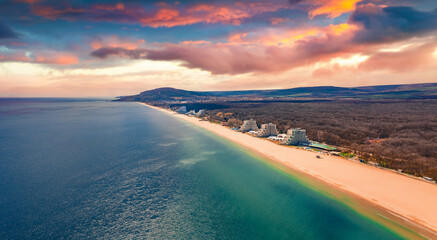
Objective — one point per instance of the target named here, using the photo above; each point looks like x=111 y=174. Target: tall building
x=182 y=110
x=248 y=125
x=200 y=113
x=191 y=113
x=267 y=130
x=296 y=136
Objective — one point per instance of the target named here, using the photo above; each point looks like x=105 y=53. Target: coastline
x=389 y=192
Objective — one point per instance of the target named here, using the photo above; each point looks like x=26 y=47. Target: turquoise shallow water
x=84 y=169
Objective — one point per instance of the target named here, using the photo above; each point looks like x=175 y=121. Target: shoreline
x=390 y=193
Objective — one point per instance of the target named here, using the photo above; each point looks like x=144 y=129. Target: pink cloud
x=115 y=41
x=276 y=21
x=164 y=15
x=60 y=59
x=267 y=54
x=231 y=58
x=401 y=61
x=398 y=61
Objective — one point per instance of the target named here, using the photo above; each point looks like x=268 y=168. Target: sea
x=98 y=169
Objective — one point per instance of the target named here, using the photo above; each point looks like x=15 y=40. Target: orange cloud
x=167 y=17
x=343 y=28
x=332 y=8
x=289 y=37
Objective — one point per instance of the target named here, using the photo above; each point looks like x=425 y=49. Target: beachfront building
x=200 y=113
x=296 y=136
x=248 y=125
x=267 y=130
x=182 y=110
x=191 y=113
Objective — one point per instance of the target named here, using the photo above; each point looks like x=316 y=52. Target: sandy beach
x=409 y=198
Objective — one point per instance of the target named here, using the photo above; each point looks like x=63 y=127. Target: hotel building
x=296 y=136
x=267 y=130
x=248 y=125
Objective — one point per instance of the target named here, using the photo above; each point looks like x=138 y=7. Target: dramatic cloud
x=229 y=58
x=389 y=24
x=6 y=32
x=217 y=43
x=162 y=14
x=281 y=51
x=171 y=15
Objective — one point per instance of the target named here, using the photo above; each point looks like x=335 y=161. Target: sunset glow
x=112 y=48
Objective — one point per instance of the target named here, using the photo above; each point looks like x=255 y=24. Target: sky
x=61 y=48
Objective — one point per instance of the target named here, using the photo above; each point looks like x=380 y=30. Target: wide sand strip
x=410 y=198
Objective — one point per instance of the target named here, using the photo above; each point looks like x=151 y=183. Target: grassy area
x=347 y=155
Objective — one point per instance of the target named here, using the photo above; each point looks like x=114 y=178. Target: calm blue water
x=88 y=169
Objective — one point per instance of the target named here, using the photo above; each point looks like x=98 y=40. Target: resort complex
x=293 y=137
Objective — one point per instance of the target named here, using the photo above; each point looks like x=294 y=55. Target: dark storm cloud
x=391 y=23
